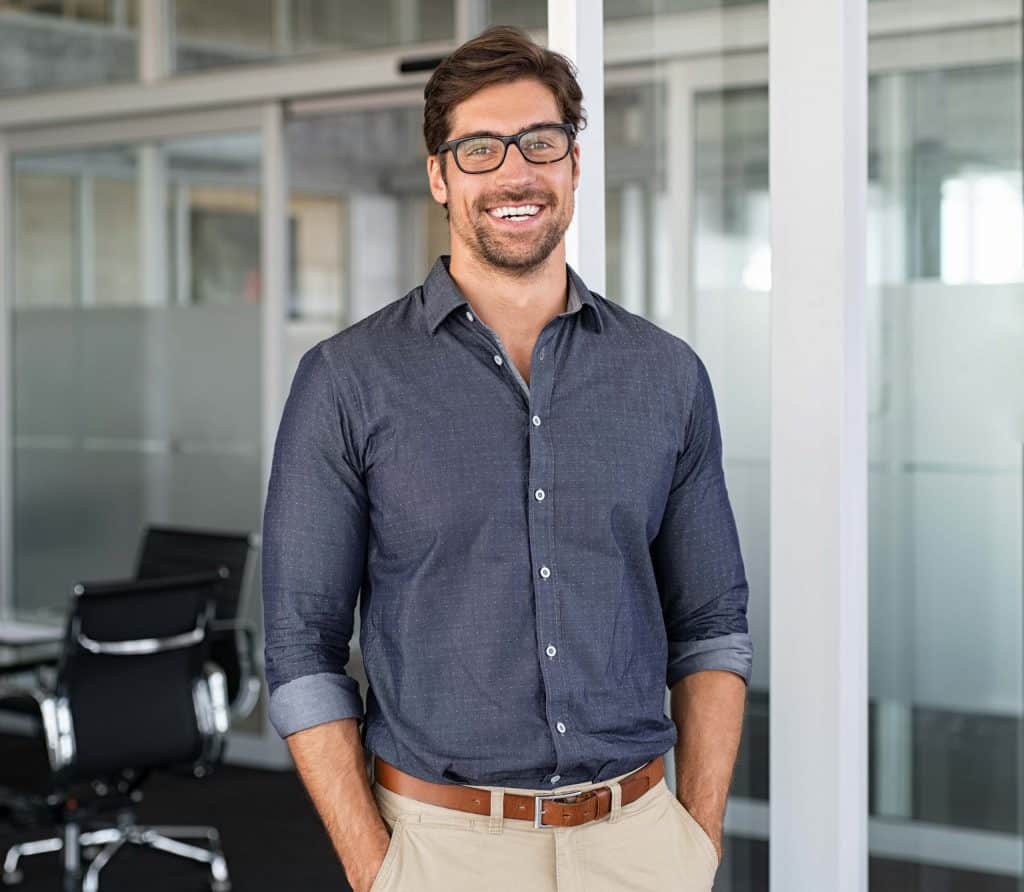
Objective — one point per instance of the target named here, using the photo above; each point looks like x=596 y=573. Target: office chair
x=135 y=691
x=169 y=551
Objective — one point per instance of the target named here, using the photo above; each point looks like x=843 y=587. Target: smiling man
x=520 y=484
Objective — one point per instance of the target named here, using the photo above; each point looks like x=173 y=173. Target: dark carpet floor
x=272 y=838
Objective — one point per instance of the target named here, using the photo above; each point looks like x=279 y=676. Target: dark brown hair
x=498 y=55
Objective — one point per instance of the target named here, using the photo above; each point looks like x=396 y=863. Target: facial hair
x=522 y=254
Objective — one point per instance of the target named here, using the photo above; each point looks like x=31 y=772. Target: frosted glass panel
x=136 y=354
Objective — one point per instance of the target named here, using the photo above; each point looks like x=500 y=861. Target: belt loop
x=616 y=811
x=496 y=821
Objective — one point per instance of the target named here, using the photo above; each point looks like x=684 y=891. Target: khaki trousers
x=653 y=844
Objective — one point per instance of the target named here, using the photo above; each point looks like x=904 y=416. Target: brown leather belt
x=548 y=810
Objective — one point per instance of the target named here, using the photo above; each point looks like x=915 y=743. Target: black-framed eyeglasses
x=538 y=145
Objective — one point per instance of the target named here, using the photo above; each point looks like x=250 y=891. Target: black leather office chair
x=135 y=691
x=169 y=550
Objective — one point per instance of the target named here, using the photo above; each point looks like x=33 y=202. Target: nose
x=515 y=167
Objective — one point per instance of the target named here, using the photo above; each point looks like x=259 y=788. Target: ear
x=576 y=165
x=438 y=187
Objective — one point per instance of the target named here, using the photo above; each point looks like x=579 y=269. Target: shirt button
x=536 y=421
x=541 y=354
x=539 y=495
x=545 y=572
x=469 y=315
x=551 y=651
x=556 y=778
x=497 y=359
x=561 y=728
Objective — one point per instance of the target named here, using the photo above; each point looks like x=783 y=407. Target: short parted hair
x=498 y=55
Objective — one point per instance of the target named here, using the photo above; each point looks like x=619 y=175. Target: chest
x=460 y=455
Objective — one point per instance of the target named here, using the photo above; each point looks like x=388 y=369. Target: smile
x=516 y=215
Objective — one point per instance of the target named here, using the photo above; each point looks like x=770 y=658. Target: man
x=523 y=480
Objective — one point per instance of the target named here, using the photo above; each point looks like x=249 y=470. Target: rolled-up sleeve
x=314 y=545
x=696 y=553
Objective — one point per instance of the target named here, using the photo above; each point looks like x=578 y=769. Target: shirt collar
x=441 y=295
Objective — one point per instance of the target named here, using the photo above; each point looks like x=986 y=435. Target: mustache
x=517 y=199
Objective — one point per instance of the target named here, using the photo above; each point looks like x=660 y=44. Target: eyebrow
x=532 y=126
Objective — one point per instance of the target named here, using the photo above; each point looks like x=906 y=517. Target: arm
x=703 y=589
x=315 y=530
x=707 y=708
x=331 y=762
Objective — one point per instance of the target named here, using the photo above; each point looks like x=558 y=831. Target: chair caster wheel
x=13 y=877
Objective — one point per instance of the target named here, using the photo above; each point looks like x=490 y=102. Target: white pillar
x=576 y=30
x=818 y=664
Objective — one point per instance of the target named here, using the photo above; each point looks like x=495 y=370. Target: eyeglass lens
x=481 y=153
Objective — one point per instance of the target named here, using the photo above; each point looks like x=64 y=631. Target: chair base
x=111 y=839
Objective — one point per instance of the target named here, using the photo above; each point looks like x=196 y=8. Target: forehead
x=505 y=108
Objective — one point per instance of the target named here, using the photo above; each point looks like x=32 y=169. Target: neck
x=514 y=305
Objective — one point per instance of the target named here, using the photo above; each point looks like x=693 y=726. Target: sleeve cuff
x=312 y=700
x=733 y=653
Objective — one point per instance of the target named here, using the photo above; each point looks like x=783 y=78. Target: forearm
x=707 y=707
x=332 y=764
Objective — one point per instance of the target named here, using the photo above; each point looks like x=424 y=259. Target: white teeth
x=526 y=210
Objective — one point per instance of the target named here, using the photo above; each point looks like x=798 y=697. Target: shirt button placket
x=541 y=544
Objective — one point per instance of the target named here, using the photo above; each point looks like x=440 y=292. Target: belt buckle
x=538 y=806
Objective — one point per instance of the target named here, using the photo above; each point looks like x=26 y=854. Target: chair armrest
x=56 y=718
x=250 y=684
x=209 y=696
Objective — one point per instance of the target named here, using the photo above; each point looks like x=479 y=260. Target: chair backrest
x=172 y=551
x=167 y=551
x=133 y=653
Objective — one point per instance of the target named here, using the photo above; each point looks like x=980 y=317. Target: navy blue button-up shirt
x=533 y=563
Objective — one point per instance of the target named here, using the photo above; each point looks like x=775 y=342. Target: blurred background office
x=169 y=255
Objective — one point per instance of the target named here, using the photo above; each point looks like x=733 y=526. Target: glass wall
x=45 y=44
x=136 y=353
x=946 y=434
x=232 y=32
x=686 y=247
